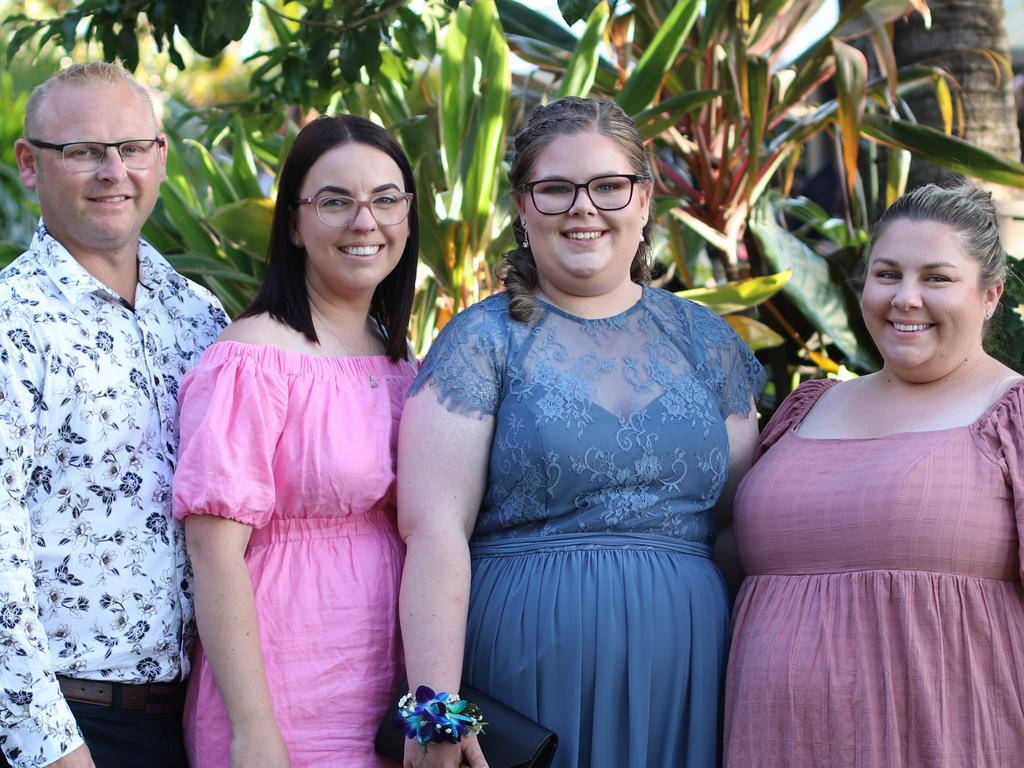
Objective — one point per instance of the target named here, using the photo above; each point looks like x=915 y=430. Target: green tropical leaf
x=811 y=288
x=580 y=74
x=202 y=266
x=654 y=120
x=658 y=58
x=940 y=149
x=738 y=295
x=243 y=165
x=220 y=184
x=245 y=224
x=574 y=10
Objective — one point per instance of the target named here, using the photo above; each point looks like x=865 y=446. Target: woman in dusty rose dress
x=882 y=621
x=287 y=470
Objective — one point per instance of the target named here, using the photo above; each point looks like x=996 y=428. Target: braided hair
x=517 y=269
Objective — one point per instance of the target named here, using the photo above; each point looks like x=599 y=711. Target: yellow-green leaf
x=755 y=335
x=739 y=294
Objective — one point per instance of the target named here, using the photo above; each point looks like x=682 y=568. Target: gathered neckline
x=294 y=361
x=944 y=430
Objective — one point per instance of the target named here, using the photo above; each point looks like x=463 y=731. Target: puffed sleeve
x=232 y=414
x=465 y=366
x=1001 y=435
x=792 y=411
x=724 y=363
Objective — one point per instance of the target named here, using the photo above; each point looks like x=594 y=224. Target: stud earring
x=988 y=313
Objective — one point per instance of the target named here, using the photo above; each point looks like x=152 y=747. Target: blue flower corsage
x=432 y=718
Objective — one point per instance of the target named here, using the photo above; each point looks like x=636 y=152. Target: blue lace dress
x=594 y=606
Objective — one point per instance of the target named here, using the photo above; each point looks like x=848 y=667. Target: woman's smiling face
x=585 y=251
x=923 y=301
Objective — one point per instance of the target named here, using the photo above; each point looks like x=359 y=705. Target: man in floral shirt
x=96 y=331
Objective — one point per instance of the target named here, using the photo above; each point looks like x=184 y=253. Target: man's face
x=97 y=213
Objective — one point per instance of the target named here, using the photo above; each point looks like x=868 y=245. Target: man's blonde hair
x=77 y=75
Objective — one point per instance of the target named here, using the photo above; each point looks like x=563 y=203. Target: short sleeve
x=466 y=363
x=1001 y=436
x=727 y=365
x=232 y=414
x=792 y=411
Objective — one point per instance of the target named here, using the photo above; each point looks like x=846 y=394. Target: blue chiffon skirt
x=615 y=642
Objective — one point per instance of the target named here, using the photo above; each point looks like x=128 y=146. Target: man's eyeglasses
x=608 y=193
x=338 y=211
x=89 y=156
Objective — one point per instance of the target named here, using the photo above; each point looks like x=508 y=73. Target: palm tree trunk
x=959 y=29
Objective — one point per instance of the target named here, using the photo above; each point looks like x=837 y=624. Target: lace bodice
x=615 y=424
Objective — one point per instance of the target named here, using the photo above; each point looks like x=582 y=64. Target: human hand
x=261 y=749
x=466 y=752
x=79 y=758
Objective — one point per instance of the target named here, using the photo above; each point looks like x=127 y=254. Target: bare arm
x=78 y=758
x=226 y=615
x=742 y=432
x=442 y=460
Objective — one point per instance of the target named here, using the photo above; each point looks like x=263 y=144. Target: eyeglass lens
x=83 y=156
x=608 y=193
x=340 y=211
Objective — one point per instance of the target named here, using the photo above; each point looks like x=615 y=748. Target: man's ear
x=25 y=155
x=163 y=155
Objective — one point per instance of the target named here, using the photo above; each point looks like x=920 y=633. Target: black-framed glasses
x=608 y=193
x=89 y=156
x=336 y=211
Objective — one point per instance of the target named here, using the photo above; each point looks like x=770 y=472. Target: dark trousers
x=122 y=738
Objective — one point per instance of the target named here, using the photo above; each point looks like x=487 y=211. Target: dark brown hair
x=283 y=293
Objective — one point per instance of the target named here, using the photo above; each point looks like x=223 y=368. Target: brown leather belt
x=151 y=698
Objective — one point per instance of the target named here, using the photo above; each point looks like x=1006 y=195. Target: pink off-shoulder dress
x=882 y=623
x=302 y=448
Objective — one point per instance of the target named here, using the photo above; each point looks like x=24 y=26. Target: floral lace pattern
x=614 y=425
x=93 y=573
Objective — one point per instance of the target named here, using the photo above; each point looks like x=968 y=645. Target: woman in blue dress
x=560 y=456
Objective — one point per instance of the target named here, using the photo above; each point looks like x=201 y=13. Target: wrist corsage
x=432 y=718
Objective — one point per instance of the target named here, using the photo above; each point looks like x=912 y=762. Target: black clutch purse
x=510 y=739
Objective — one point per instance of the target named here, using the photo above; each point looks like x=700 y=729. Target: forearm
x=433 y=606
x=36 y=725
x=228 y=626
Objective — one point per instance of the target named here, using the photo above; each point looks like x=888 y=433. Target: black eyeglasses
x=608 y=193
x=89 y=156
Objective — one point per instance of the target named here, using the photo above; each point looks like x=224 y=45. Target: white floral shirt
x=94 y=581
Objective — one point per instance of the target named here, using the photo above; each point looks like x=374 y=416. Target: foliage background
x=729 y=123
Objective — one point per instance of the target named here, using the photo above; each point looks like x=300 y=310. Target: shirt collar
x=75 y=282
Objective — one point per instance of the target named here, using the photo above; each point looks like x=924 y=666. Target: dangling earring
x=526 y=239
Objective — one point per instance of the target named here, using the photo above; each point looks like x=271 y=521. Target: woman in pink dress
x=287 y=469
x=882 y=623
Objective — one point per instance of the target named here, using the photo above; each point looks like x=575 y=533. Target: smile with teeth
x=361 y=250
x=583 y=235
x=908 y=327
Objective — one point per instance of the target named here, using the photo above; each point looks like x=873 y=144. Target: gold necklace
x=327 y=326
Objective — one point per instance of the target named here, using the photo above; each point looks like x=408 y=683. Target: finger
x=474 y=755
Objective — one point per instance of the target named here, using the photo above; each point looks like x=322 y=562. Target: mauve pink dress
x=882 y=623
x=302 y=448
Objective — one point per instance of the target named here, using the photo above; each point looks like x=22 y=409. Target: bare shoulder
x=265 y=330
x=1005 y=377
